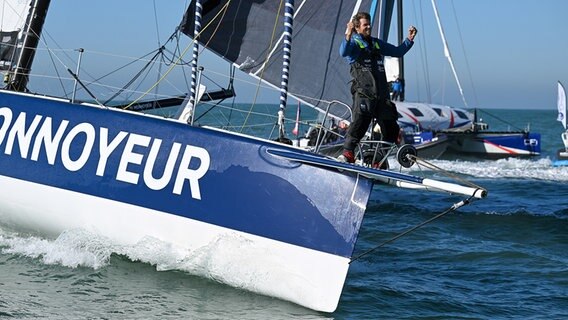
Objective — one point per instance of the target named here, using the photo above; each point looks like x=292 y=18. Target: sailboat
x=126 y=175
x=465 y=134
x=562 y=154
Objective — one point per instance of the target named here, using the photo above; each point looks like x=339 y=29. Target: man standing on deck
x=371 y=96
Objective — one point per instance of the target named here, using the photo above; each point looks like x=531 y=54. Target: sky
x=507 y=53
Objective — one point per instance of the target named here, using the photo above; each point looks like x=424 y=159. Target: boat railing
x=333 y=129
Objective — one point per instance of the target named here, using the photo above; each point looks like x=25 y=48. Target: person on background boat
x=369 y=87
x=396 y=89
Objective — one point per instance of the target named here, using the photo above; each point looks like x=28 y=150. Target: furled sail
x=242 y=33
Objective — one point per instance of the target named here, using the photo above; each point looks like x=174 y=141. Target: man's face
x=364 y=28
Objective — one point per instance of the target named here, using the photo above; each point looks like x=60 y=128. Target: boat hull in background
x=493 y=145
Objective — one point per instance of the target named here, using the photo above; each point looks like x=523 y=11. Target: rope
x=268 y=56
x=134 y=78
x=468 y=68
x=454 y=207
x=190 y=45
x=499 y=119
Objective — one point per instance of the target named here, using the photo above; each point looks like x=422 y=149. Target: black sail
x=243 y=35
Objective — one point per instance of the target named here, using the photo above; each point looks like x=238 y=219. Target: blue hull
x=212 y=176
x=226 y=198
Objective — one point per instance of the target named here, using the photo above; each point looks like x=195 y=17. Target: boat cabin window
x=461 y=114
x=439 y=111
x=416 y=112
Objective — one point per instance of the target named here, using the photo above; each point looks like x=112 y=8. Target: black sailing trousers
x=364 y=111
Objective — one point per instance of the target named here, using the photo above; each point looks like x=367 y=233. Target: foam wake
x=540 y=169
x=216 y=260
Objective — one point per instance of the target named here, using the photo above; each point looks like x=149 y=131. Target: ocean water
x=504 y=257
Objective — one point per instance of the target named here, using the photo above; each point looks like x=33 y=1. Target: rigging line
x=447 y=52
x=203 y=45
x=84 y=87
x=206 y=45
x=45 y=33
x=147 y=71
x=208 y=110
x=445 y=172
x=128 y=64
x=136 y=76
x=257 y=91
x=59 y=77
x=465 y=54
x=156 y=23
x=160 y=65
x=215 y=82
x=190 y=45
x=168 y=60
x=454 y=207
x=51 y=55
x=497 y=118
x=269 y=55
x=423 y=56
x=214 y=32
x=176 y=51
x=230 y=117
x=21 y=15
x=274 y=48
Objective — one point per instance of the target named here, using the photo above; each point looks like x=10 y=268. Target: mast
x=400 y=39
x=384 y=11
x=447 y=51
x=30 y=35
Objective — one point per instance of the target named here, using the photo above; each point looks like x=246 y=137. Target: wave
x=80 y=248
x=214 y=261
x=71 y=249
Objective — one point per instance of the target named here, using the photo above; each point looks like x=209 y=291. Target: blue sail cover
x=243 y=35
